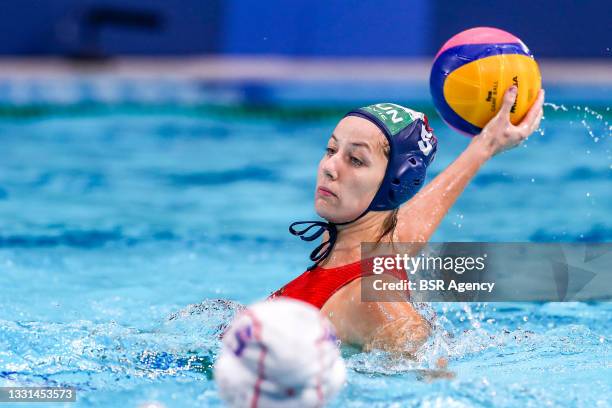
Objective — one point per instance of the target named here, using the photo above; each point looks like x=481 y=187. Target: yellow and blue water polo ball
x=471 y=73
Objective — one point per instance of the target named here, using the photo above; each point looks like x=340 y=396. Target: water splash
x=555 y=107
x=491 y=334
x=594 y=122
x=90 y=355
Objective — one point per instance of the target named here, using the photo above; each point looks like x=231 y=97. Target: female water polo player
x=376 y=160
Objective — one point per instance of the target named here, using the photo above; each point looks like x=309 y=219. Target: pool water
x=129 y=239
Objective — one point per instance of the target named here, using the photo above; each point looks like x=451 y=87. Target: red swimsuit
x=319 y=284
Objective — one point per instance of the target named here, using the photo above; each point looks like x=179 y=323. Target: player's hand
x=500 y=134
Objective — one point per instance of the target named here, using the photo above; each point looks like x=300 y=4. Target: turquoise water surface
x=130 y=236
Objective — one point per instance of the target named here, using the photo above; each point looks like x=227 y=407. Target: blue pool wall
x=297 y=28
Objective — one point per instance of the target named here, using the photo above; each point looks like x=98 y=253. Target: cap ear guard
x=407 y=181
x=412 y=149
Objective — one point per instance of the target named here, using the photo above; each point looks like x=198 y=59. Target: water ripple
x=75 y=238
x=79 y=180
x=208 y=178
x=587 y=173
x=486 y=179
x=597 y=233
x=89 y=239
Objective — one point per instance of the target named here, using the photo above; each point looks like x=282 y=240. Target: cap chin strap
x=324 y=249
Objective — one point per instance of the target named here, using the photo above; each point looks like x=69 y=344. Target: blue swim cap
x=412 y=147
